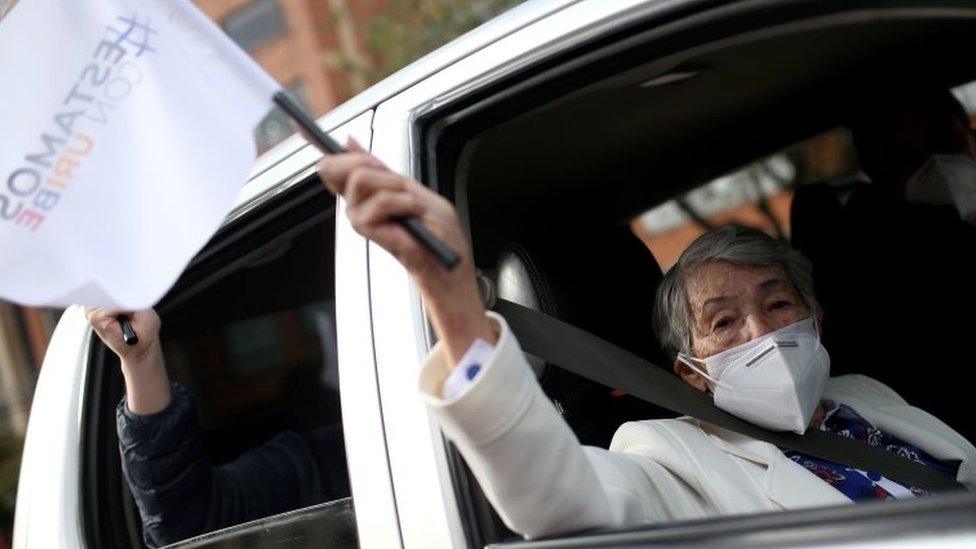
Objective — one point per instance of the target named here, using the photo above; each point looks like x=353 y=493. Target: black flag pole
x=128 y=334
x=447 y=257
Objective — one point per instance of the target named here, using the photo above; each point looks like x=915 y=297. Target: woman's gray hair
x=673 y=318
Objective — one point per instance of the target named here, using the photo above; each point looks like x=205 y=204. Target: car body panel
x=48 y=496
x=362 y=416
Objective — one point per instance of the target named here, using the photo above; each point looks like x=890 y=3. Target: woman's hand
x=146 y=382
x=375 y=197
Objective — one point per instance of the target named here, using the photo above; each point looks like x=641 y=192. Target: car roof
x=503 y=25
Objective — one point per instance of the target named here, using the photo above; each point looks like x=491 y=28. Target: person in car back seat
x=899 y=247
x=179 y=492
x=739 y=312
x=911 y=144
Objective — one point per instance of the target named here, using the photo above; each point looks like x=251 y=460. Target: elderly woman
x=738 y=310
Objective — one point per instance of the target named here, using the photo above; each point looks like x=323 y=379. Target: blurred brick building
x=24 y=335
x=306 y=45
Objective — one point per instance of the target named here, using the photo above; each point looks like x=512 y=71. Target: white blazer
x=543 y=482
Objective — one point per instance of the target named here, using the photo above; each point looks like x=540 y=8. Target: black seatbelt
x=587 y=355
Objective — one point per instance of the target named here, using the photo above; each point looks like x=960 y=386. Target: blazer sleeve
x=526 y=458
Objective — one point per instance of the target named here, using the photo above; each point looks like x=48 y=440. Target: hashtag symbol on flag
x=136 y=35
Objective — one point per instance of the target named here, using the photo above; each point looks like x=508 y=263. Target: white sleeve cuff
x=467 y=370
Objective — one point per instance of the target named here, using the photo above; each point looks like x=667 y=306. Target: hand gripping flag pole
x=128 y=334
x=446 y=256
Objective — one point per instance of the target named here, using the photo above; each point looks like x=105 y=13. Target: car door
x=428 y=479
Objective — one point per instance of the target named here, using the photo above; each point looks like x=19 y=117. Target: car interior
x=549 y=174
x=249 y=330
x=548 y=170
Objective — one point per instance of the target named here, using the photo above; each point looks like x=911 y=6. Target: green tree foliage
x=408 y=29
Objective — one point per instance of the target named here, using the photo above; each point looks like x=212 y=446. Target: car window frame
x=338 y=516
x=875 y=524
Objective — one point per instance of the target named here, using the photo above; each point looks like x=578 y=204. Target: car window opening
x=252 y=351
x=798 y=170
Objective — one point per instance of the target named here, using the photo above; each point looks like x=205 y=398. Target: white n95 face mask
x=946 y=179
x=774 y=381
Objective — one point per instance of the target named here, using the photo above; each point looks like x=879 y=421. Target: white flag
x=127 y=133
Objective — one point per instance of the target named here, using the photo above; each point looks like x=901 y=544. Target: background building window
x=256 y=24
x=276 y=126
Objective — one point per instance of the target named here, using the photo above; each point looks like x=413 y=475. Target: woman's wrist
x=147 y=359
x=458 y=323
x=456 y=310
x=463 y=333
x=147 y=384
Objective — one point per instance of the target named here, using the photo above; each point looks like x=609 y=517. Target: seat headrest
x=601 y=282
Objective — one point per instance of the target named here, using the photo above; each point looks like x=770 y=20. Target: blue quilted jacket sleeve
x=181 y=494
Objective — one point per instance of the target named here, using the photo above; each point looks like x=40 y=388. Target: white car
x=548 y=127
